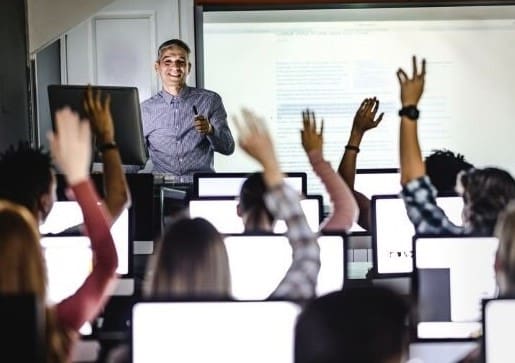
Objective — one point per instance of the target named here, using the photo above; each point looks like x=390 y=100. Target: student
x=486 y=192
x=442 y=166
x=184 y=126
x=23 y=266
x=364 y=120
x=252 y=207
x=357 y=324
x=35 y=187
x=345 y=209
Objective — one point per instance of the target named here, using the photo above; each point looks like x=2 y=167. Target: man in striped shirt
x=183 y=125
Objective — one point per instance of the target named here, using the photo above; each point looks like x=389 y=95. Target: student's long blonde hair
x=23 y=271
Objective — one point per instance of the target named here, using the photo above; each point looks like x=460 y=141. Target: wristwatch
x=410 y=112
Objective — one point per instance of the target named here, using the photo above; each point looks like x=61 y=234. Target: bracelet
x=352 y=147
x=107 y=146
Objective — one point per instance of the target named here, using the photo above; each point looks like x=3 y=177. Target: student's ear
x=238 y=210
x=45 y=203
x=498 y=265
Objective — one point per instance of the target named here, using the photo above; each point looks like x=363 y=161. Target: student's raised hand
x=311 y=139
x=412 y=88
x=70 y=145
x=99 y=114
x=365 y=117
x=254 y=137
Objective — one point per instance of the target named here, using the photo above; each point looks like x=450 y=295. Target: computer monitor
x=377 y=181
x=258 y=263
x=221 y=212
x=125 y=111
x=452 y=275
x=440 y=351
x=498 y=322
x=229 y=184
x=66 y=214
x=230 y=332
x=392 y=232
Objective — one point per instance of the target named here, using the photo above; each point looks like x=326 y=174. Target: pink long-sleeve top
x=85 y=304
x=345 y=210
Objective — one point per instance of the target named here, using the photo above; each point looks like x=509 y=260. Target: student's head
x=251 y=207
x=356 y=324
x=27 y=178
x=173 y=64
x=190 y=261
x=505 y=257
x=486 y=192
x=442 y=167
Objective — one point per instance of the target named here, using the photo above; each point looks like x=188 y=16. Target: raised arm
x=411 y=162
x=345 y=209
x=364 y=120
x=284 y=202
x=71 y=150
x=116 y=190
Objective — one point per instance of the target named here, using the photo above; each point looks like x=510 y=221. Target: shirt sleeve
x=221 y=139
x=345 y=209
x=419 y=197
x=301 y=278
x=86 y=302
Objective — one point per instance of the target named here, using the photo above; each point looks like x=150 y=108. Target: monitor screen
x=392 y=232
x=250 y=281
x=428 y=351
x=452 y=277
x=231 y=332
x=377 y=181
x=498 y=320
x=125 y=111
x=66 y=214
x=229 y=184
x=221 y=212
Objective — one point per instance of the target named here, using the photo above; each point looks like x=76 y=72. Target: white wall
x=47 y=23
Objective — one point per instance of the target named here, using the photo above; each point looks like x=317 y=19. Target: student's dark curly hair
x=442 y=167
x=252 y=201
x=486 y=192
x=26 y=174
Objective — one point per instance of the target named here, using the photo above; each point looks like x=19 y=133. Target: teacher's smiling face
x=173 y=67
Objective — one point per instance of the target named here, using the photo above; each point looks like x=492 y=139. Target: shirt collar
x=184 y=92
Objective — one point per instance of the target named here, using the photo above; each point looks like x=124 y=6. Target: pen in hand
x=195 y=111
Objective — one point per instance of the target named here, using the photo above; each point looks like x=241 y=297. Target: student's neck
x=174 y=90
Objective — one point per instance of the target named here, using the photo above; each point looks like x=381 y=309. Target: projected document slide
x=329 y=60
x=394 y=231
x=67 y=214
x=259 y=263
x=468 y=266
x=231 y=332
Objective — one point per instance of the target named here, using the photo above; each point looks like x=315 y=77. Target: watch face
x=410 y=112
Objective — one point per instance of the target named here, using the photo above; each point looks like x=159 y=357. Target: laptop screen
x=221 y=212
x=452 y=276
x=392 y=232
x=230 y=332
x=258 y=263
